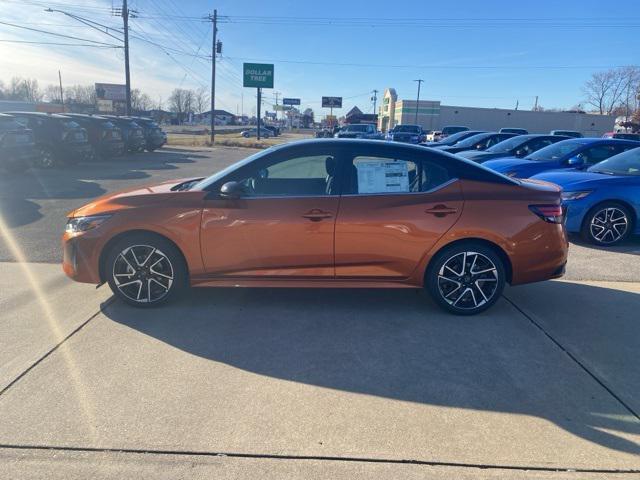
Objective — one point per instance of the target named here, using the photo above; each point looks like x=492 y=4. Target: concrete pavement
x=370 y=375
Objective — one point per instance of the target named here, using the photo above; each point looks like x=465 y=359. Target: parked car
x=132 y=133
x=478 y=142
x=253 y=132
x=433 y=136
x=453 y=139
x=359 y=130
x=517 y=131
x=451 y=129
x=275 y=131
x=603 y=202
x=622 y=135
x=17 y=146
x=322 y=133
x=519 y=146
x=154 y=136
x=406 y=133
x=148 y=245
x=574 y=154
x=58 y=138
x=566 y=133
x=104 y=137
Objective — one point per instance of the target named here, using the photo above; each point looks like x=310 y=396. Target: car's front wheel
x=145 y=270
x=465 y=278
x=607 y=224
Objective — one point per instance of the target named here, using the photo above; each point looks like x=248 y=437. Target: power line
x=60 y=44
x=57 y=34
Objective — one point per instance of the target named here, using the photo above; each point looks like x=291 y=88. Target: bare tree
x=80 y=94
x=181 y=102
x=201 y=100
x=604 y=90
x=24 y=89
x=3 y=95
x=52 y=93
x=140 y=102
x=631 y=97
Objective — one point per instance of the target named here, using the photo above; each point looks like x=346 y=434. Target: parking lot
x=304 y=383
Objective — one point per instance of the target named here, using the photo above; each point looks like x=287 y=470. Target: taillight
x=548 y=213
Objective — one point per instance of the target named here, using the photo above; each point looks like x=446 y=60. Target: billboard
x=291 y=101
x=331 y=102
x=111 y=91
x=105 y=106
x=257 y=75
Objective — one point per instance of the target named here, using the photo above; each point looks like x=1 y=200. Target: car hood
x=571 y=180
x=504 y=164
x=135 y=197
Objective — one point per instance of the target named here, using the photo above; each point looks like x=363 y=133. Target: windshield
x=407 y=128
x=627 y=163
x=508 y=145
x=355 y=128
x=456 y=137
x=472 y=140
x=556 y=151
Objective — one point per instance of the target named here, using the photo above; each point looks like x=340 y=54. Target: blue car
x=574 y=154
x=602 y=202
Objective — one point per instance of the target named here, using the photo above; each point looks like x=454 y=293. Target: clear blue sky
x=550 y=34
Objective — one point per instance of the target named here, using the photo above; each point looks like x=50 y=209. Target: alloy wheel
x=468 y=280
x=609 y=225
x=143 y=273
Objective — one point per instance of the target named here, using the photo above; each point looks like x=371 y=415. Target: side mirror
x=576 y=161
x=231 y=190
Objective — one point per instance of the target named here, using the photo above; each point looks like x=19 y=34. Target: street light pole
x=125 y=19
x=418 y=98
x=214 y=20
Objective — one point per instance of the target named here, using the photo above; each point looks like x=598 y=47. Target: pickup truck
x=406 y=134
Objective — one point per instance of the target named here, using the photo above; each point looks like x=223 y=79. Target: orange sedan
x=325 y=213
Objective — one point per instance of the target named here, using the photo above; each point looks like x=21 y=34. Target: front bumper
x=81 y=256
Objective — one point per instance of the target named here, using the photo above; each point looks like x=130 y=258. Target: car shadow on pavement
x=630 y=246
x=396 y=344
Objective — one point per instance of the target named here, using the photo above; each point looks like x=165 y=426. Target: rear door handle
x=316 y=215
x=441 y=210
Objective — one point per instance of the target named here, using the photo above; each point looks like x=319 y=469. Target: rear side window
x=371 y=175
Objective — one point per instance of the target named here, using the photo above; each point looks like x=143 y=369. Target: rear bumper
x=541 y=257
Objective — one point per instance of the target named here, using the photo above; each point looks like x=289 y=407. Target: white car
x=253 y=132
x=434 y=136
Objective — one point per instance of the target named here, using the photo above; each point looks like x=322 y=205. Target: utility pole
x=535 y=107
x=375 y=99
x=276 y=95
x=214 y=20
x=259 y=102
x=125 y=19
x=61 y=95
x=418 y=98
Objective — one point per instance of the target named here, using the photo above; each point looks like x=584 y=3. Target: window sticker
x=383 y=177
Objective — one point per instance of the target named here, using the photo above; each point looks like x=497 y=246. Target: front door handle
x=441 y=210
x=316 y=215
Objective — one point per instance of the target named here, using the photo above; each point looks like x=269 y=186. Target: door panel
x=386 y=235
x=269 y=237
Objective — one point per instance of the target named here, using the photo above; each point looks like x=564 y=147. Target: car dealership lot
x=547 y=379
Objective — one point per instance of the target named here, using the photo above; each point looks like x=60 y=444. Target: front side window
x=557 y=150
x=627 y=163
x=378 y=175
x=596 y=154
x=314 y=175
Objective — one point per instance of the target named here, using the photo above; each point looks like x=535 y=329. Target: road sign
x=331 y=102
x=111 y=91
x=257 y=75
x=291 y=101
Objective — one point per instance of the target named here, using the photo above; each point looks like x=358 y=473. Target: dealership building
x=432 y=115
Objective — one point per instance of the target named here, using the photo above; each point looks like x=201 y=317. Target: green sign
x=257 y=75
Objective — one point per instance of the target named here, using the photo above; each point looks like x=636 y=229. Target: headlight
x=575 y=195
x=82 y=224
x=337 y=135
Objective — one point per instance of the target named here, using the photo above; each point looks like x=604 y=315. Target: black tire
x=145 y=285
x=150 y=149
x=608 y=224
x=481 y=280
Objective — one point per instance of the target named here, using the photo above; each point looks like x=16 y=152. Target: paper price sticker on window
x=382 y=177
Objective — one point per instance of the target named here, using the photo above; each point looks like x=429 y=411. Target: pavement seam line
x=273 y=456
x=54 y=348
x=575 y=359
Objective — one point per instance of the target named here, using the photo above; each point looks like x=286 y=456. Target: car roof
x=88 y=117
x=40 y=114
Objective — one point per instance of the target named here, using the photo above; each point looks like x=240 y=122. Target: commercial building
x=432 y=115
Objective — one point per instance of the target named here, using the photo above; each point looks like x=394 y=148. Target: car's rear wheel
x=607 y=224
x=466 y=278
x=145 y=270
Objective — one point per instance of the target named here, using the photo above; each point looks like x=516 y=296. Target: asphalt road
x=33 y=206
x=304 y=383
